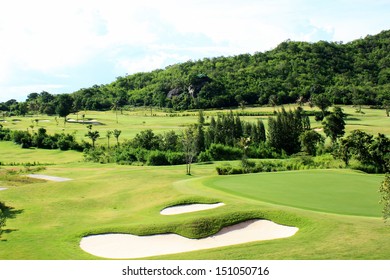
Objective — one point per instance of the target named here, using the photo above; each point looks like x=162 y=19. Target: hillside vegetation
x=352 y=73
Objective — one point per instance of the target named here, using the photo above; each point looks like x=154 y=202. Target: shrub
x=157 y=158
x=205 y=156
x=229 y=170
x=222 y=152
x=175 y=158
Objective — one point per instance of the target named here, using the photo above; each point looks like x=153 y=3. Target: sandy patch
x=94 y=122
x=3 y=189
x=49 y=178
x=118 y=246
x=180 y=209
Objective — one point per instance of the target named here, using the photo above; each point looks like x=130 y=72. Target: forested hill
x=356 y=72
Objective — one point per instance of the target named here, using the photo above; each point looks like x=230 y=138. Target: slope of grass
x=333 y=191
x=13 y=154
x=50 y=218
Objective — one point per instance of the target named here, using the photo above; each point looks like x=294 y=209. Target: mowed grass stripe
x=332 y=191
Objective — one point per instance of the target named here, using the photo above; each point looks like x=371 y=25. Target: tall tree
x=64 y=104
x=284 y=131
x=309 y=141
x=334 y=124
x=322 y=102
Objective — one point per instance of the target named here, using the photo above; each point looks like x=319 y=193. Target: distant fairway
x=332 y=191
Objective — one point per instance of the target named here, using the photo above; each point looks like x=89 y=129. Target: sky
x=60 y=46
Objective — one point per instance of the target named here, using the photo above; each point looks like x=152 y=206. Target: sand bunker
x=94 y=122
x=180 y=209
x=117 y=246
x=49 y=178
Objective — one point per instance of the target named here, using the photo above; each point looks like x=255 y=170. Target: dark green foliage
x=205 y=156
x=222 y=152
x=354 y=72
x=321 y=101
x=64 y=103
x=169 y=141
x=175 y=158
x=310 y=139
x=146 y=139
x=334 y=124
x=380 y=152
x=372 y=153
x=284 y=131
x=157 y=158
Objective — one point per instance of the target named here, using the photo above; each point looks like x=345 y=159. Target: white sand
x=3 y=189
x=180 y=209
x=48 y=178
x=118 y=246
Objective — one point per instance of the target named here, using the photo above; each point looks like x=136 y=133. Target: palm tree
x=117 y=133
x=93 y=135
x=108 y=135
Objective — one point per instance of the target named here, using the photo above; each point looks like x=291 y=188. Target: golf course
x=334 y=212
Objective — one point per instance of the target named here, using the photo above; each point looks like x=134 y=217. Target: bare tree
x=189 y=146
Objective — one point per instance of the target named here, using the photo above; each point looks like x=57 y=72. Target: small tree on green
x=385 y=196
x=189 y=147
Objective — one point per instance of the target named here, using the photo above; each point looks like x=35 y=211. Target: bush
x=205 y=156
x=222 y=152
x=157 y=158
x=227 y=169
x=175 y=158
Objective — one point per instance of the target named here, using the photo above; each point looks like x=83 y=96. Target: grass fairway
x=49 y=219
x=11 y=154
x=332 y=191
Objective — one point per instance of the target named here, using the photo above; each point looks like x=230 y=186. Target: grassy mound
x=333 y=191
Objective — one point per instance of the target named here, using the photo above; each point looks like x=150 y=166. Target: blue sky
x=62 y=46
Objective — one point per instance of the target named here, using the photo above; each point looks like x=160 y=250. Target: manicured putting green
x=333 y=191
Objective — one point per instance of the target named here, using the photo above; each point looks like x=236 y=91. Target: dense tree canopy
x=353 y=73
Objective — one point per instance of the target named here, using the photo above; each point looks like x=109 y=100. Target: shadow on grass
x=8 y=213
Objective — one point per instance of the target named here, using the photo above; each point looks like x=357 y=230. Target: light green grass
x=13 y=154
x=51 y=218
x=332 y=191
